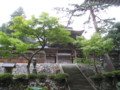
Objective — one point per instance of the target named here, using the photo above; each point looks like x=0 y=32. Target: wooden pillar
x=75 y=53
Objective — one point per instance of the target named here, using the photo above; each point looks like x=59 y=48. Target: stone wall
x=46 y=68
x=23 y=84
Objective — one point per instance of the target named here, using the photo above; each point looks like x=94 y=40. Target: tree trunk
x=94 y=19
x=28 y=66
x=96 y=70
x=109 y=67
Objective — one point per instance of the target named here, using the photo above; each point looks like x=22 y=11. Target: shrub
x=5 y=79
x=32 y=76
x=61 y=76
x=51 y=77
x=109 y=74
x=117 y=72
x=21 y=76
x=6 y=76
x=97 y=77
x=41 y=76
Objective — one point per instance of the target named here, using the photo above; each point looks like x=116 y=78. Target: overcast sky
x=31 y=7
x=35 y=7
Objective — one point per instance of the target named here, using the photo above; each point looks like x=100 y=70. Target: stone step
x=76 y=79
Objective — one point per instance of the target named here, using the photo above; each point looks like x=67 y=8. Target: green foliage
x=59 y=35
x=96 y=45
x=97 y=77
x=41 y=76
x=4 y=45
x=32 y=76
x=115 y=35
x=4 y=39
x=85 y=61
x=21 y=76
x=8 y=44
x=6 y=79
x=112 y=74
x=51 y=77
x=61 y=76
x=37 y=76
x=78 y=41
x=5 y=28
x=43 y=29
x=9 y=79
x=107 y=75
x=38 y=30
x=6 y=76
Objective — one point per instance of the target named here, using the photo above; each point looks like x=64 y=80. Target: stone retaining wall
x=46 y=68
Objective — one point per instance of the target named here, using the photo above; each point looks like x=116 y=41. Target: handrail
x=90 y=81
x=67 y=85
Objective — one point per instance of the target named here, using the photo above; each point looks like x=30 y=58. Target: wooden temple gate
x=49 y=56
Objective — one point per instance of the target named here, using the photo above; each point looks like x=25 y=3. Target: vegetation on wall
x=22 y=81
x=108 y=78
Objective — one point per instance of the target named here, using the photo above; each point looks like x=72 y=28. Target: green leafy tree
x=5 y=26
x=4 y=42
x=7 y=45
x=115 y=35
x=40 y=31
x=96 y=46
x=94 y=8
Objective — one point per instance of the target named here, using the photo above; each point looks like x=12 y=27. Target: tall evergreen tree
x=18 y=12
x=99 y=24
x=115 y=35
x=5 y=27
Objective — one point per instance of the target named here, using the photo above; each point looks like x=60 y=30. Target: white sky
x=35 y=7
x=31 y=7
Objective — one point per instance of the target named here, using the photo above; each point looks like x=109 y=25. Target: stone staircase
x=76 y=80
